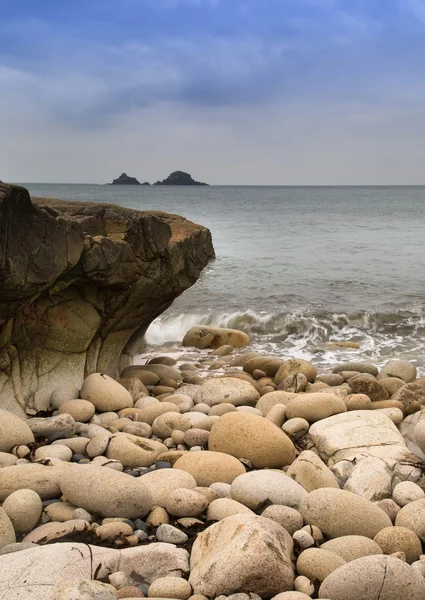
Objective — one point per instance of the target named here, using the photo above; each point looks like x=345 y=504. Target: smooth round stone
x=223 y=489
x=80 y=513
x=289 y=518
x=170 y=587
x=43 y=479
x=227 y=389
x=133 y=451
x=419 y=434
x=202 y=408
x=105 y=393
x=412 y=516
x=63 y=394
x=255 y=487
x=196 y=437
x=78 y=445
x=225 y=507
x=157 y=517
x=60 y=511
x=296 y=428
x=291 y=596
x=161 y=483
x=304 y=585
x=315 y=406
x=170 y=535
x=105 y=492
x=406 y=492
x=311 y=472
x=140 y=429
x=110 y=531
x=267 y=401
x=152 y=412
x=98 y=444
x=185 y=503
x=277 y=414
x=252 y=437
x=293 y=366
x=54 y=451
x=400 y=539
x=357 y=402
x=165 y=424
x=81 y=410
x=360 y=367
x=221 y=409
x=7 y=460
x=374 y=577
x=76 y=458
x=391 y=384
x=13 y=431
x=163 y=464
x=395 y=414
x=85 y=590
x=7 y=531
x=303 y=539
x=389 y=507
x=23 y=508
x=316 y=563
x=351 y=547
x=336 y=513
x=402 y=369
x=210 y=467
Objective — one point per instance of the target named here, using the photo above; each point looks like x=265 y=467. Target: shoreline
x=182 y=456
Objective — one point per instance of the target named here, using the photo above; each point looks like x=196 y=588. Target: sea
x=297 y=268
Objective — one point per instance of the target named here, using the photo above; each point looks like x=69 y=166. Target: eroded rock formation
x=79 y=285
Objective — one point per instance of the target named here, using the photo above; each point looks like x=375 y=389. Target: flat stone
x=171 y=535
x=256 y=487
x=229 y=390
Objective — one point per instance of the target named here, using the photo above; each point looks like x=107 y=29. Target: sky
x=252 y=92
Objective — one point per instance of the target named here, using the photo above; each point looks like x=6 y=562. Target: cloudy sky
x=233 y=91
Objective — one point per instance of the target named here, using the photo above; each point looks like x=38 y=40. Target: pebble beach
x=222 y=473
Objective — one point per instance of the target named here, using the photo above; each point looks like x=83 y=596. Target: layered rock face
x=79 y=285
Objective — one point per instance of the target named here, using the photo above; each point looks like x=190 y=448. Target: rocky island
x=180 y=178
x=124 y=179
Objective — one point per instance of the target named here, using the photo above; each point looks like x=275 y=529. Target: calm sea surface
x=297 y=267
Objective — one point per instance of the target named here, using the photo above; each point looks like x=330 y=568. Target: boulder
x=81 y=283
x=266 y=568
x=202 y=337
x=210 y=467
x=380 y=577
x=105 y=492
x=244 y=435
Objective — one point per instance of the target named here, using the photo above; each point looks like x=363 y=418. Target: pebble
x=171 y=535
x=407 y=491
x=23 y=508
x=210 y=467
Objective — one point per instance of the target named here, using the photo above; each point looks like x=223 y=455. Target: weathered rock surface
x=377 y=577
x=78 y=293
x=242 y=553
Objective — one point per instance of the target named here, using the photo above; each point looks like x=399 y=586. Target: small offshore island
x=176 y=178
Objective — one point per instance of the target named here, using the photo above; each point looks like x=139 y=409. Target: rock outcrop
x=124 y=179
x=179 y=178
x=79 y=285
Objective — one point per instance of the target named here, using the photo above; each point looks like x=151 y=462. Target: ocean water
x=297 y=268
